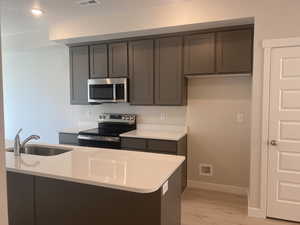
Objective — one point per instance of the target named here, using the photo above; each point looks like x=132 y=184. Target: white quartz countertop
x=118 y=169
x=155 y=134
x=148 y=131
x=75 y=130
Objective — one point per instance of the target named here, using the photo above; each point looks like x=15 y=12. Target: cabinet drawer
x=162 y=146
x=68 y=139
x=133 y=143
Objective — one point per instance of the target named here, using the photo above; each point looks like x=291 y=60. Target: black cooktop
x=99 y=132
x=112 y=125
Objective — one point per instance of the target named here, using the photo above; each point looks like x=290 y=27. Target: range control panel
x=116 y=117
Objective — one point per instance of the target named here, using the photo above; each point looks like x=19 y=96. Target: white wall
x=273 y=19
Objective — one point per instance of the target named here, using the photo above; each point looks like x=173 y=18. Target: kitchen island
x=94 y=186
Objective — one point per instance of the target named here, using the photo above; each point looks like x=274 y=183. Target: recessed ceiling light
x=36 y=12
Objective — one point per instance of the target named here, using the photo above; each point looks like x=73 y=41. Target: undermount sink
x=42 y=150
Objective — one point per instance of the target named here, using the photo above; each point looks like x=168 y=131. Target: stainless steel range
x=107 y=135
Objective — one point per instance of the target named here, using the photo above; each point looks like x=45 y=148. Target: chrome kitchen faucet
x=18 y=147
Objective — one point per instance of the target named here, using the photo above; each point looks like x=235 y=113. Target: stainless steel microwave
x=112 y=90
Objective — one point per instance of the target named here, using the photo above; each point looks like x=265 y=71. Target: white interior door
x=284 y=129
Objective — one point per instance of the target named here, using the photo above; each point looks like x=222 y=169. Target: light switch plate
x=240 y=117
x=163 y=116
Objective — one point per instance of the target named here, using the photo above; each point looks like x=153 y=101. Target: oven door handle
x=98 y=138
x=114 y=92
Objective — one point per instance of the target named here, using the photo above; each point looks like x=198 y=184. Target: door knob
x=273 y=142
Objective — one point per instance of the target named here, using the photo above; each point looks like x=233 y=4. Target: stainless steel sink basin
x=42 y=150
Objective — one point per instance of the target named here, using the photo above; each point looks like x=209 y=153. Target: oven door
x=107 y=90
x=99 y=141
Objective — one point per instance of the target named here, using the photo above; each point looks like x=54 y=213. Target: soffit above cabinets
x=156 y=31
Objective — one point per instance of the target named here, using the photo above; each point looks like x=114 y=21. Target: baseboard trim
x=218 y=187
x=256 y=212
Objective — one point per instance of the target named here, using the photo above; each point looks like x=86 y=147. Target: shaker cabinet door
x=118 y=60
x=234 y=51
x=141 y=74
x=199 y=54
x=79 y=74
x=20 y=196
x=169 y=80
x=99 y=61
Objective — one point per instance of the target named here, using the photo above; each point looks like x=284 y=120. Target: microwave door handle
x=114 y=92
x=89 y=92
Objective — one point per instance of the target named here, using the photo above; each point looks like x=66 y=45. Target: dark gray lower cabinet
x=159 y=146
x=20 y=196
x=59 y=202
x=68 y=139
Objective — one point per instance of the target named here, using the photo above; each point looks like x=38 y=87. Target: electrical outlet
x=163 y=116
x=89 y=113
x=205 y=169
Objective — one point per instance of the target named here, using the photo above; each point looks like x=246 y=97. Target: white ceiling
x=16 y=16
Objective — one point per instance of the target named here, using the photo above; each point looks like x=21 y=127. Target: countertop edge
x=94 y=183
x=68 y=132
x=128 y=135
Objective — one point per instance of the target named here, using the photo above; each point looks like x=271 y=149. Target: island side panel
x=171 y=200
x=182 y=150
x=66 y=203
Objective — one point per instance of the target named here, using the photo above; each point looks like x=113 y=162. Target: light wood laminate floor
x=200 y=207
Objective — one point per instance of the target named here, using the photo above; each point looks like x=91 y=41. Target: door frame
x=3 y=193
x=268 y=46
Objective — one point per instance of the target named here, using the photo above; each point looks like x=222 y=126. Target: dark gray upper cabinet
x=118 y=60
x=199 y=54
x=169 y=80
x=79 y=74
x=141 y=74
x=234 y=51
x=157 y=65
x=20 y=194
x=99 y=61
